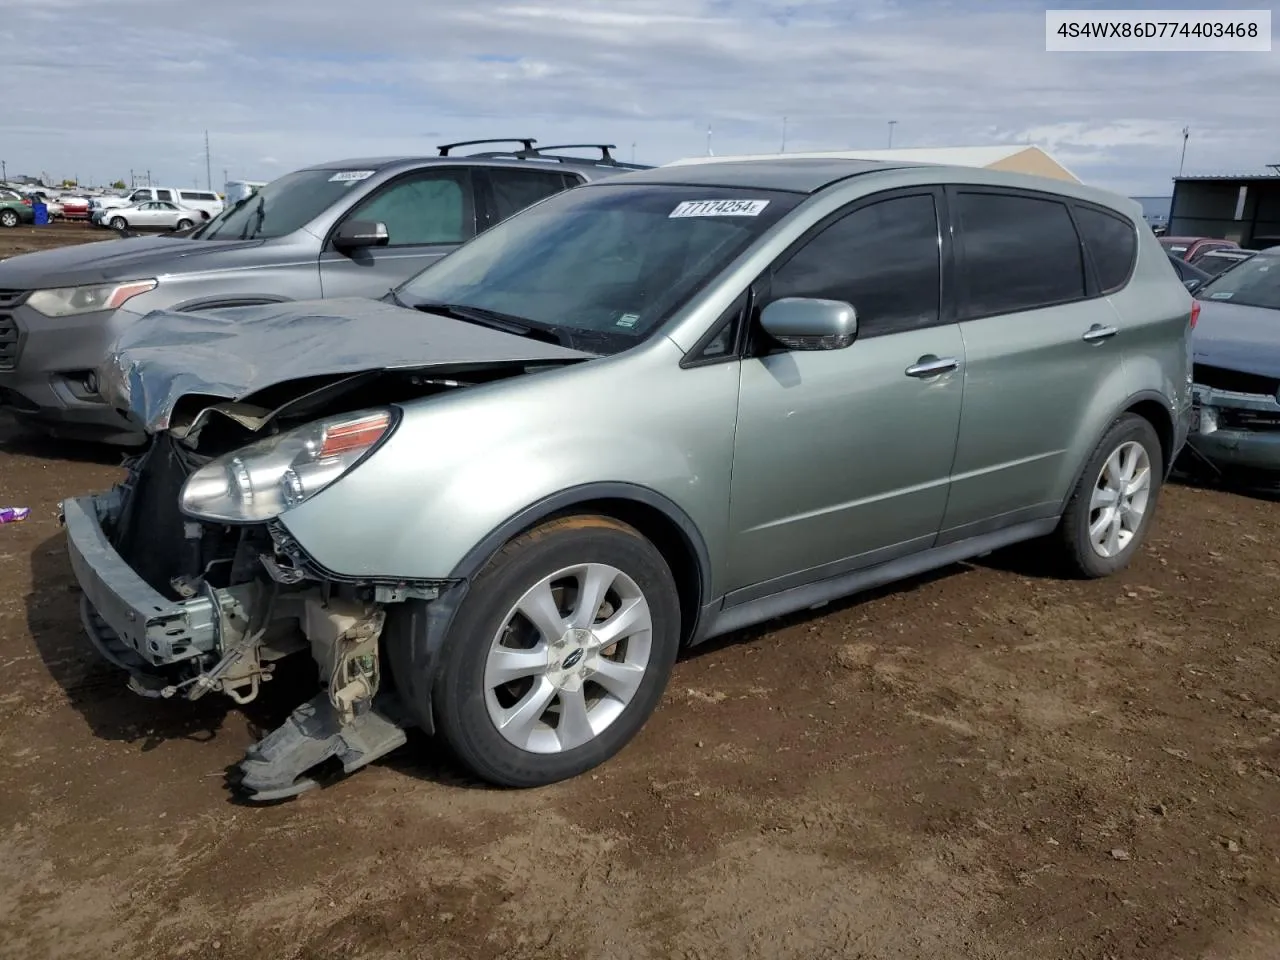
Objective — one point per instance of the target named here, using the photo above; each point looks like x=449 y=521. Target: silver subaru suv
x=498 y=502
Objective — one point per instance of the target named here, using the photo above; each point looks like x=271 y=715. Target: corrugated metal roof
x=1229 y=176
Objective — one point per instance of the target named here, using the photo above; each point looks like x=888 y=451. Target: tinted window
x=513 y=190
x=883 y=258
x=1112 y=244
x=430 y=207
x=1020 y=253
x=164 y=194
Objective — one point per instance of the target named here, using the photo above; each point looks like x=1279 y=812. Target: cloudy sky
x=95 y=88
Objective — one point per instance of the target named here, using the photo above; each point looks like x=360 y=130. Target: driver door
x=842 y=458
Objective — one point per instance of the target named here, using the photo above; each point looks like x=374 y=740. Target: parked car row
x=491 y=437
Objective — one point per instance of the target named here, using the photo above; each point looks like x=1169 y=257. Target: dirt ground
x=60 y=233
x=985 y=763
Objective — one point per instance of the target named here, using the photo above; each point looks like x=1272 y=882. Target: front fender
x=463 y=465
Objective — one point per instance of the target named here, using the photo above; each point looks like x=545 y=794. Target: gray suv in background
x=644 y=412
x=342 y=229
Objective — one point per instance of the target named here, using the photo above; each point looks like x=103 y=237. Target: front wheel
x=559 y=653
x=119 y=223
x=1114 y=501
x=8 y=218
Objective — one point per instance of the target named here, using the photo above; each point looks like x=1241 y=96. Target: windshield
x=609 y=263
x=1252 y=283
x=282 y=206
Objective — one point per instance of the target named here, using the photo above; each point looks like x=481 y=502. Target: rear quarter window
x=1112 y=245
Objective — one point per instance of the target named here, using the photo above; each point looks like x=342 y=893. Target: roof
x=795 y=174
x=487 y=159
x=997 y=156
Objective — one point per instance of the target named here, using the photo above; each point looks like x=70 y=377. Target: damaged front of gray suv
x=638 y=414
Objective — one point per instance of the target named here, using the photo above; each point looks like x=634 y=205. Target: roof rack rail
x=526 y=142
x=604 y=148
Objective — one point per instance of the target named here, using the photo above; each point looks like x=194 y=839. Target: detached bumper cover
x=1236 y=429
x=124 y=609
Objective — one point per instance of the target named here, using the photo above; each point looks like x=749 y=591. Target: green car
x=13 y=210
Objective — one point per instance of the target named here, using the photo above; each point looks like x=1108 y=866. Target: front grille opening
x=1220 y=378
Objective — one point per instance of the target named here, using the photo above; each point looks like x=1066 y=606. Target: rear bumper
x=1218 y=435
x=124 y=612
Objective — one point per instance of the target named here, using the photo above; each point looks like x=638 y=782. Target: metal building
x=1244 y=208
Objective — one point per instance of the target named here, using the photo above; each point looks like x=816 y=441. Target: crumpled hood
x=234 y=353
x=1236 y=337
x=133 y=258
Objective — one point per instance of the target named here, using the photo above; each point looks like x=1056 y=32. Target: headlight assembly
x=70 y=301
x=263 y=480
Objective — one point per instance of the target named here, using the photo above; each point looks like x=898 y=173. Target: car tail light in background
x=1195 y=312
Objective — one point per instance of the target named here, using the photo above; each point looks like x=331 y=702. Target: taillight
x=1195 y=312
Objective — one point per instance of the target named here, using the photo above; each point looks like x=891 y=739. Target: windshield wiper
x=495 y=320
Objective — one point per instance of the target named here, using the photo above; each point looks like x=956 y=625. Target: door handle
x=1098 y=333
x=931 y=366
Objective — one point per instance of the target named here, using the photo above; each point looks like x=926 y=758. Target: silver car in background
x=151 y=215
x=645 y=412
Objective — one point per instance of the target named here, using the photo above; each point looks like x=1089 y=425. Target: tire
x=467 y=700
x=9 y=218
x=1129 y=435
x=184 y=225
x=119 y=223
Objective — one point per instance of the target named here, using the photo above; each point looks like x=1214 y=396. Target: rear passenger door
x=502 y=192
x=427 y=213
x=1043 y=353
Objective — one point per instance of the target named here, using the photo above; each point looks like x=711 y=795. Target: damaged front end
x=1235 y=425
x=190 y=607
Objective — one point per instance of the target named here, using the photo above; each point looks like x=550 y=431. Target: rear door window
x=1112 y=244
x=1018 y=253
x=164 y=194
x=513 y=190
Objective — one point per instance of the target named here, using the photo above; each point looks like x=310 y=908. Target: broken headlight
x=263 y=480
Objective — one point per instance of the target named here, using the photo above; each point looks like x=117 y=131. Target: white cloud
x=299 y=82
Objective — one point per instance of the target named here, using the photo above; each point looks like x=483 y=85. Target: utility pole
x=208 y=170
x=4 y=172
x=224 y=175
x=148 y=178
x=710 y=152
x=132 y=180
x=784 y=136
x=1186 y=134
x=892 y=124
x=633 y=151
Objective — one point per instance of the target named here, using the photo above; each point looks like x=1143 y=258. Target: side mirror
x=1192 y=285
x=355 y=234
x=801 y=323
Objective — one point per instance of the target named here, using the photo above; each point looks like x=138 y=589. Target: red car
x=75 y=208
x=1192 y=249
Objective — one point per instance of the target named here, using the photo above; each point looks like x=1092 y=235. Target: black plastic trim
x=816 y=594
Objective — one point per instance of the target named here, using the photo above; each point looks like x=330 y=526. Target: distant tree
x=118 y=185
x=68 y=184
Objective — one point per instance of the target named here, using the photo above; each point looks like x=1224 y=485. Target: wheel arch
x=1152 y=407
x=654 y=515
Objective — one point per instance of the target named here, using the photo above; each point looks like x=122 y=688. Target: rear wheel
x=1112 y=507
x=8 y=218
x=559 y=653
x=185 y=225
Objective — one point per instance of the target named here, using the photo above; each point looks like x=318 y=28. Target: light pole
x=892 y=124
x=1186 y=133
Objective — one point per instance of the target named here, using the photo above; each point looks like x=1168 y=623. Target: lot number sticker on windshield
x=350 y=176
x=719 y=208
